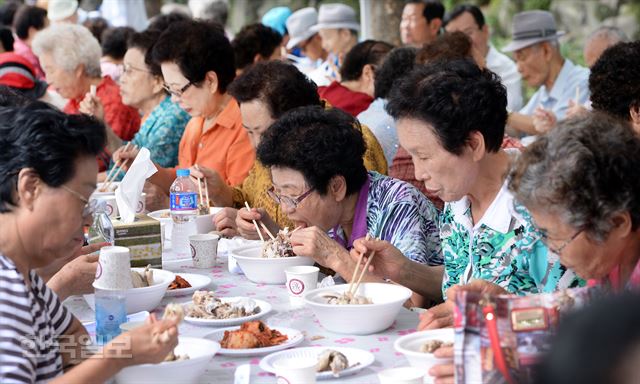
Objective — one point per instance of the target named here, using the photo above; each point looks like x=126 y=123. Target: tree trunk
x=383 y=21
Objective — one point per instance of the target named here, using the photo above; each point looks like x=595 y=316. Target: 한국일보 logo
x=296 y=286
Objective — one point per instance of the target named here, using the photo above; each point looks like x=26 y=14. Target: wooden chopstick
x=355 y=270
x=254 y=222
x=364 y=270
x=109 y=180
x=267 y=230
x=120 y=169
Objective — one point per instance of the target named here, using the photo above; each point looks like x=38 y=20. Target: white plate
x=197 y=283
x=358 y=359
x=264 y=309
x=295 y=337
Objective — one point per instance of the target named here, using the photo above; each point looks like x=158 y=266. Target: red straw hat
x=16 y=72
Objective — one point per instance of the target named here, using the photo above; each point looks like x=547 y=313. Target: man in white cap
x=338 y=27
x=314 y=63
x=536 y=51
x=65 y=11
x=468 y=19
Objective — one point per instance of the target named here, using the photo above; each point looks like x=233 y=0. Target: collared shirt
x=570 y=78
x=504 y=67
x=22 y=49
x=31 y=320
x=397 y=212
x=224 y=147
x=122 y=119
x=383 y=127
x=254 y=188
x=342 y=97
x=503 y=247
x=161 y=132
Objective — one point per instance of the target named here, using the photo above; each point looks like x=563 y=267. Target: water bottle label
x=184 y=201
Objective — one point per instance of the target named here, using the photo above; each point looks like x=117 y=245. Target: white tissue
x=249 y=305
x=327 y=282
x=130 y=189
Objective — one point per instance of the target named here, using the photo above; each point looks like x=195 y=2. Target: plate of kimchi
x=187 y=283
x=254 y=338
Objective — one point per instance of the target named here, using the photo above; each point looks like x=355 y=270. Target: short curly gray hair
x=584 y=171
x=70 y=45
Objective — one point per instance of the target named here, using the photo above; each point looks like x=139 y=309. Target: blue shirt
x=383 y=127
x=400 y=214
x=161 y=133
x=570 y=78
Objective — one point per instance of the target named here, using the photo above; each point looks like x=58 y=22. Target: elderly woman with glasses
x=43 y=210
x=197 y=65
x=321 y=184
x=142 y=87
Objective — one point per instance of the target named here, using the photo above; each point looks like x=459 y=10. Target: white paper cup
x=403 y=375
x=204 y=250
x=110 y=203
x=114 y=269
x=301 y=280
x=296 y=370
x=142 y=203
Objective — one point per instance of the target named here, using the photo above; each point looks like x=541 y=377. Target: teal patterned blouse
x=400 y=214
x=504 y=247
x=161 y=133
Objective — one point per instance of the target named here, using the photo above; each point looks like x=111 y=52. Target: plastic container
x=184 y=209
x=111 y=312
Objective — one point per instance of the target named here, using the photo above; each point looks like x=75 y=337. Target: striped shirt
x=31 y=319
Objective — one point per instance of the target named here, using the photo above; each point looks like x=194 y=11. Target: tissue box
x=142 y=237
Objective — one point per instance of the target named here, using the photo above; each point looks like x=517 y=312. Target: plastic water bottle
x=111 y=312
x=184 y=209
x=102 y=229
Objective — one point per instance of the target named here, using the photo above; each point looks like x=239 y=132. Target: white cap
x=336 y=16
x=299 y=25
x=61 y=9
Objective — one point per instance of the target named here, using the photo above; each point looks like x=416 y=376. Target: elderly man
x=599 y=40
x=468 y=19
x=421 y=22
x=314 y=64
x=338 y=27
x=536 y=50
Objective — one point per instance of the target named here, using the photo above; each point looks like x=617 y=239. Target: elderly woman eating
x=43 y=210
x=320 y=182
x=451 y=118
x=70 y=57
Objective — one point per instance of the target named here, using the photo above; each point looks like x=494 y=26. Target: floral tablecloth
x=222 y=368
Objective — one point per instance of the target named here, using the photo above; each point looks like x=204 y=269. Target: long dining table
x=284 y=314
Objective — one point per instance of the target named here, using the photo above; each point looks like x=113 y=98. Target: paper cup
x=403 y=375
x=296 y=370
x=204 y=250
x=301 y=280
x=142 y=203
x=114 y=269
x=110 y=203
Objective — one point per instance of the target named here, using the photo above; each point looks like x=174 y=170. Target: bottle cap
x=183 y=172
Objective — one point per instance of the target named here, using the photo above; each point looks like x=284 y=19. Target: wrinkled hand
x=315 y=243
x=443 y=373
x=215 y=183
x=125 y=156
x=575 y=109
x=543 y=120
x=225 y=222
x=245 y=225
x=388 y=261
x=76 y=276
x=145 y=344
x=92 y=106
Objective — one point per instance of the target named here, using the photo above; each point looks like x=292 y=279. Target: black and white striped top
x=31 y=318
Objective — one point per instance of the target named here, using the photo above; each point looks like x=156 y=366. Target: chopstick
x=355 y=270
x=121 y=169
x=111 y=175
x=364 y=270
x=254 y=222
x=267 y=230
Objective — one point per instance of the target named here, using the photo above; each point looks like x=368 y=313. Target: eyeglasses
x=559 y=249
x=292 y=202
x=179 y=92
x=129 y=69
x=89 y=206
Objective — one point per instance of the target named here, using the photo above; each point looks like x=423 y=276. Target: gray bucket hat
x=299 y=25
x=336 y=16
x=532 y=27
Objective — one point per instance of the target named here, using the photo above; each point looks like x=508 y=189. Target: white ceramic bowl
x=112 y=187
x=145 y=298
x=200 y=352
x=264 y=270
x=409 y=346
x=359 y=319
